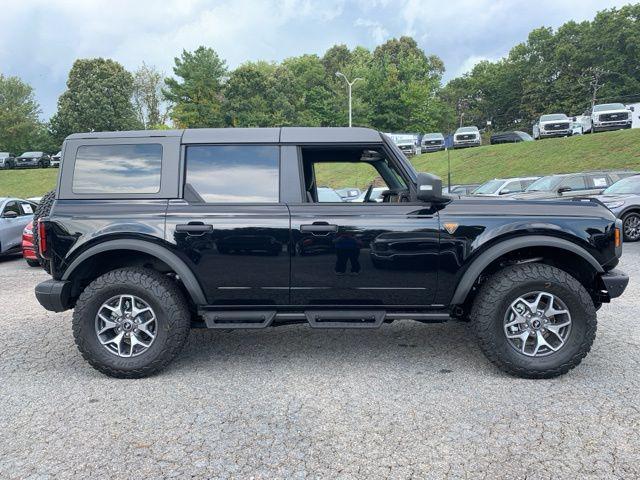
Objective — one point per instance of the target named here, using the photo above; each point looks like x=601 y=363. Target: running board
x=345 y=318
x=239 y=319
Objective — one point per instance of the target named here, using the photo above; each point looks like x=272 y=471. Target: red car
x=28 y=248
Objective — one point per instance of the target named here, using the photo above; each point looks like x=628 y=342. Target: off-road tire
x=164 y=297
x=495 y=297
x=42 y=210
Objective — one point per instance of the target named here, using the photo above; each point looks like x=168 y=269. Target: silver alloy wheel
x=126 y=325
x=537 y=324
x=631 y=227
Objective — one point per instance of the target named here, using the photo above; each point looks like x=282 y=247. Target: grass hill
x=609 y=150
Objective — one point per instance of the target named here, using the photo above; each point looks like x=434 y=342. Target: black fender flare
x=492 y=253
x=187 y=277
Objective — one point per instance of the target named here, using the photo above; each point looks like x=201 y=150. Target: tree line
x=400 y=88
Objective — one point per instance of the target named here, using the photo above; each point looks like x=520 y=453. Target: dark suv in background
x=152 y=233
x=33 y=160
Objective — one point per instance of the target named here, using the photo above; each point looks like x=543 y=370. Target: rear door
x=230 y=227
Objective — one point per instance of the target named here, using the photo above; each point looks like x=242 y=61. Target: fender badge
x=450 y=227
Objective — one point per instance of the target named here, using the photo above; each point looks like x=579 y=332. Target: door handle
x=317 y=227
x=194 y=228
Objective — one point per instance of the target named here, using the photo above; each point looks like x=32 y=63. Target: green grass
x=27 y=183
x=609 y=150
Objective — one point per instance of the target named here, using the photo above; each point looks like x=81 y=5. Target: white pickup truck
x=553 y=125
x=611 y=116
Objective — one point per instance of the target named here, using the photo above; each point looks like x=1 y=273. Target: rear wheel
x=131 y=322
x=631 y=227
x=534 y=320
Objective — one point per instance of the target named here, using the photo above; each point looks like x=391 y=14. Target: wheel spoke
x=108 y=324
x=541 y=342
x=136 y=341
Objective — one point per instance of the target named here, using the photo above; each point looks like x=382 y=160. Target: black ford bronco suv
x=151 y=233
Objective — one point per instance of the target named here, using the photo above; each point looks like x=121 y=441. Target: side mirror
x=430 y=188
x=10 y=214
x=633 y=109
x=562 y=190
x=574 y=119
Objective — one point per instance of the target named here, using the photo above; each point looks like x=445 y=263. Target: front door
x=379 y=250
x=231 y=228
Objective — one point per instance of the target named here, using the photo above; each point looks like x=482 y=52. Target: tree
x=197 y=97
x=98 y=98
x=147 y=96
x=20 y=126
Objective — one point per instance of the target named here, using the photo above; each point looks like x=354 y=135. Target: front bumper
x=615 y=282
x=612 y=125
x=555 y=133
x=466 y=143
x=54 y=295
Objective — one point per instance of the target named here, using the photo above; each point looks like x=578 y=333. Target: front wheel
x=534 y=320
x=131 y=322
x=631 y=227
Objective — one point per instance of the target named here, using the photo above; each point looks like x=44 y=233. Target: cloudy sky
x=40 y=39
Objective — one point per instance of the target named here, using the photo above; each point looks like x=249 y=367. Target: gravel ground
x=405 y=401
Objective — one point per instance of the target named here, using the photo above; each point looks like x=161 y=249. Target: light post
x=349 y=85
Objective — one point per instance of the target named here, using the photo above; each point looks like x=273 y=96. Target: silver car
x=15 y=215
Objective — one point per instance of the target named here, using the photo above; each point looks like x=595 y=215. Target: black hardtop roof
x=249 y=135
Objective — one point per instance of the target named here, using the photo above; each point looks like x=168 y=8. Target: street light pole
x=349 y=85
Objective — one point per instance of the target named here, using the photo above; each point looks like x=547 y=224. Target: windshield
x=609 y=106
x=433 y=136
x=626 y=185
x=489 y=187
x=552 y=117
x=31 y=154
x=467 y=130
x=544 y=184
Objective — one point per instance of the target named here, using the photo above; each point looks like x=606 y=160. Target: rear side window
x=233 y=174
x=107 y=169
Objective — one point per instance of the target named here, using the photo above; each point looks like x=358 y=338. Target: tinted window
x=234 y=174
x=118 y=169
x=512 y=187
x=626 y=185
x=574 y=183
x=12 y=207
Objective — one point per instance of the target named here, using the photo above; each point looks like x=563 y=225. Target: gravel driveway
x=405 y=401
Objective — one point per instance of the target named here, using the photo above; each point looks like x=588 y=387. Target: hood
x=521 y=208
x=615 y=110
x=619 y=197
x=532 y=195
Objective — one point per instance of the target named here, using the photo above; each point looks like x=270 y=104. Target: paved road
x=405 y=401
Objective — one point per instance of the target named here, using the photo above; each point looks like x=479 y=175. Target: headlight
x=614 y=204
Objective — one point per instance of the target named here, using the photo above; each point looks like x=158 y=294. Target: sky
x=40 y=39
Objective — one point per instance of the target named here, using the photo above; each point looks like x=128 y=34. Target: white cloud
x=377 y=31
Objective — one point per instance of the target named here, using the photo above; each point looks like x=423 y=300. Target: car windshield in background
x=433 y=136
x=467 y=129
x=31 y=154
x=609 y=106
x=552 y=117
x=629 y=185
x=544 y=184
x=491 y=186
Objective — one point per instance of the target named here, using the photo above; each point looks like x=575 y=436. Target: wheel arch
x=145 y=250
x=546 y=246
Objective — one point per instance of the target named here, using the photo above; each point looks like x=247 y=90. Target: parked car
x=406 y=142
x=7 y=160
x=584 y=121
x=28 y=247
x=349 y=194
x=15 y=214
x=134 y=254
x=623 y=199
x=503 y=186
x=432 y=142
x=610 y=116
x=510 y=137
x=33 y=160
x=552 y=125
x=467 y=137
x=374 y=196
x=326 y=194
x=571 y=184
x=55 y=159
x=465 y=189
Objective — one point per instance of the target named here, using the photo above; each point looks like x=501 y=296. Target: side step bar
x=231 y=319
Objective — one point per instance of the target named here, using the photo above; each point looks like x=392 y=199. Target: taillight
x=42 y=239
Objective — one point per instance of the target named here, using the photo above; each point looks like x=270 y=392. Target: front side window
x=574 y=183
x=118 y=169
x=233 y=174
